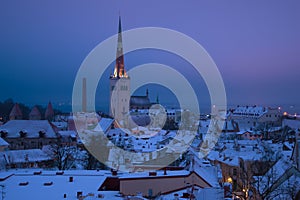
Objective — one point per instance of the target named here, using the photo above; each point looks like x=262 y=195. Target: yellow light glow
x=229 y=180
x=285 y=113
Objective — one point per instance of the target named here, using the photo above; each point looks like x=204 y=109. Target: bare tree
x=65 y=157
x=96 y=146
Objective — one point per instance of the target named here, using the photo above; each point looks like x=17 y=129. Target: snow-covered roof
x=233 y=150
x=3 y=142
x=60 y=125
x=243 y=132
x=213 y=155
x=289 y=145
x=208 y=172
x=67 y=134
x=58 y=185
x=254 y=111
x=158 y=174
x=31 y=127
x=104 y=124
x=199 y=193
x=23 y=156
x=203 y=126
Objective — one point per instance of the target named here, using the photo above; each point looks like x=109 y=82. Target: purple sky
x=255 y=44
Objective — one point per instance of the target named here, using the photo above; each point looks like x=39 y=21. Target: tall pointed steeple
x=119 y=85
x=119 y=70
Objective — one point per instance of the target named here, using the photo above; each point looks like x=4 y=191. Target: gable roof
x=3 y=142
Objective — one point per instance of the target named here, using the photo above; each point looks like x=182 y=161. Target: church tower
x=119 y=84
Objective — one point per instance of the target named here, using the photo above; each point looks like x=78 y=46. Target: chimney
x=152 y=173
x=79 y=194
x=176 y=196
x=114 y=172
x=165 y=171
x=84 y=95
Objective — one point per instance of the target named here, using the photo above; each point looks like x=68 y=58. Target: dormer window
x=3 y=133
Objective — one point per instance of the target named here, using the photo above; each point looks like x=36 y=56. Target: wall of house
x=158 y=185
x=29 y=143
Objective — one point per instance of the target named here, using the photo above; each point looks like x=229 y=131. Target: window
x=124 y=87
x=234 y=172
x=234 y=185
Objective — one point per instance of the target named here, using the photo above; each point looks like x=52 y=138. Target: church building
x=119 y=84
x=121 y=103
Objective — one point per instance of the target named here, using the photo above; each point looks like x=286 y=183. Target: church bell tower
x=119 y=84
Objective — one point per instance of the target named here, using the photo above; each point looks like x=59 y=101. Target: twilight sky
x=255 y=44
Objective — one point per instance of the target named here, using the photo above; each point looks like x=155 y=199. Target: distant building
x=29 y=158
x=68 y=138
x=248 y=135
x=49 y=114
x=16 y=113
x=255 y=117
x=151 y=184
x=121 y=103
x=28 y=134
x=140 y=102
x=35 y=114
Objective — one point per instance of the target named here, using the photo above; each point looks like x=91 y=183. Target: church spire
x=119 y=70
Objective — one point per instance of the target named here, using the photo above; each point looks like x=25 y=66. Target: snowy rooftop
x=60 y=125
x=250 y=110
x=104 y=124
x=208 y=172
x=22 y=156
x=199 y=193
x=31 y=127
x=233 y=150
x=50 y=186
x=158 y=174
x=67 y=133
x=3 y=142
